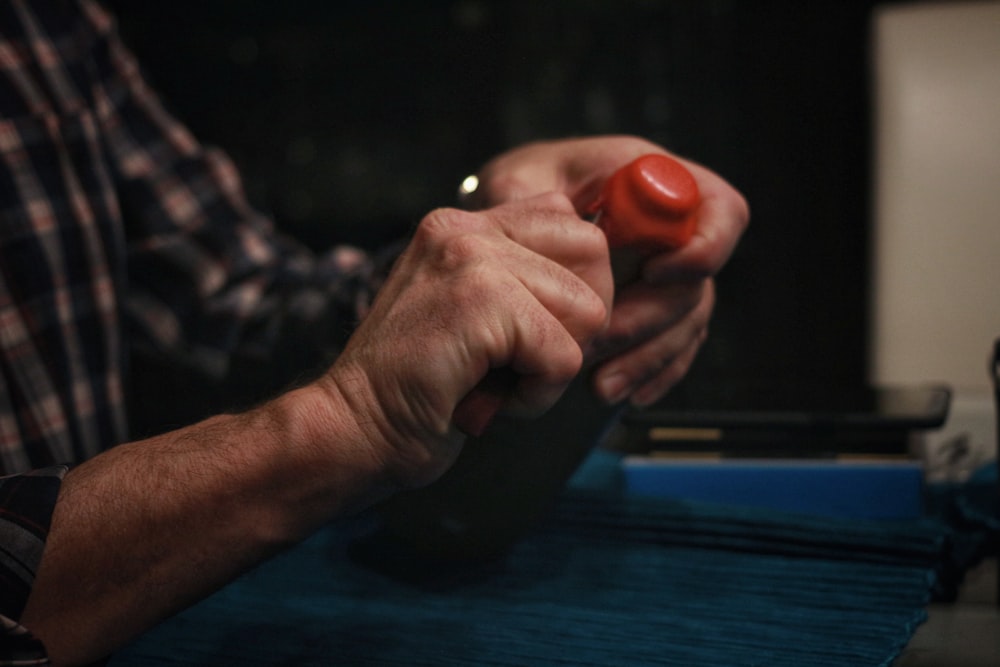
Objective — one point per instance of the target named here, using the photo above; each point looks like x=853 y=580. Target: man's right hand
x=174 y=517
x=523 y=286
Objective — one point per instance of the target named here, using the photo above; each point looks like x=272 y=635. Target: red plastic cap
x=649 y=204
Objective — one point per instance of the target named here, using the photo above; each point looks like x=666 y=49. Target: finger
x=572 y=303
x=642 y=311
x=673 y=372
x=562 y=260
x=723 y=216
x=545 y=364
x=521 y=386
x=549 y=225
x=566 y=296
x=543 y=359
x=623 y=375
x=559 y=258
x=475 y=412
x=576 y=168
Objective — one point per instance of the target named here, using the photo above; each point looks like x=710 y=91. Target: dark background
x=351 y=120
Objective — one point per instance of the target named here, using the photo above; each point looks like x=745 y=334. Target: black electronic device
x=769 y=419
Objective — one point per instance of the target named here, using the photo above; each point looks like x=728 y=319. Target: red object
x=650 y=205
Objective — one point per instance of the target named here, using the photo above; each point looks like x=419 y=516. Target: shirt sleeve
x=26 y=505
x=210 y=277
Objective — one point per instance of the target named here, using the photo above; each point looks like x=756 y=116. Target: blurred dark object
x=803 y=419
x=502 y=484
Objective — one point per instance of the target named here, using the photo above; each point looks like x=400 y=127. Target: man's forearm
x=150 y=527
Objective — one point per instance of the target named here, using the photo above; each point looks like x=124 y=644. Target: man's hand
x=658 y=322
x=524 y=286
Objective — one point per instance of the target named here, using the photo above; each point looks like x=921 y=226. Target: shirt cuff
x=26 y=504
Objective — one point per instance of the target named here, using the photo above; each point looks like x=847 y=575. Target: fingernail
x=613 y=387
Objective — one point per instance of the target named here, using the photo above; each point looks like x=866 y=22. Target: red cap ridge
x=649 y=204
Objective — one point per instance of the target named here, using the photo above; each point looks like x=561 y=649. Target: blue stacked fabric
x=606 y=580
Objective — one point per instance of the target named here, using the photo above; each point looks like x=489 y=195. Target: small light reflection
x=469 y=185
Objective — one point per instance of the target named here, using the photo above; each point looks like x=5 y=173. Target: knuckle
x=506 y=186
x=594 y=313
x=560 y=354
x=594 y=240
x=566 y=365
x=742 y=211
x=442 y=223
x=695 y=299
x=582 y=310
x=556 y=202
x=450 y=240
x=472 y=298
x=704 y=306
x=459 y=252
x=442 y=219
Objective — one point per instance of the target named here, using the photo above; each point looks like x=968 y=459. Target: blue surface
x=863 y=490
x=606 y=580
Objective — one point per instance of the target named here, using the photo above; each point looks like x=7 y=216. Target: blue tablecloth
x=605 y=580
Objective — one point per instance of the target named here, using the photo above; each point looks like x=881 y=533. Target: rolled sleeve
x=26 y=505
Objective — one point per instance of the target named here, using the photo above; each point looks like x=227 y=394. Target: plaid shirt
x=117 y=228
